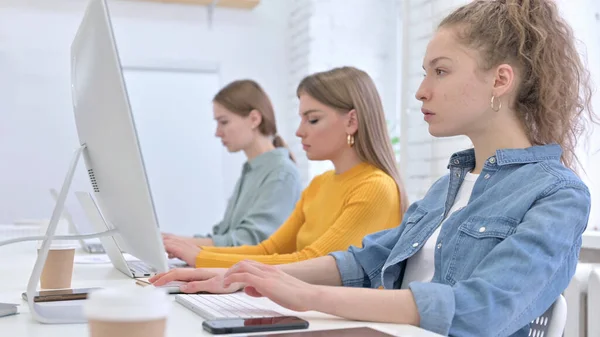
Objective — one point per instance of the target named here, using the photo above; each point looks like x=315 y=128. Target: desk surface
x=16 y=262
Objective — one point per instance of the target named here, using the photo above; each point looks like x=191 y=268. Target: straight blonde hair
x=348 y=88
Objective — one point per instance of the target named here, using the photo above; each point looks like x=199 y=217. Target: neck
x=345 y=161
x=495 y=137
x=261 y=145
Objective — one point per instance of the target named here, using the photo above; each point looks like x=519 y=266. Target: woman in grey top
x=269 y=187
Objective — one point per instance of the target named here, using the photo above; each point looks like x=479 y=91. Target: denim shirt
x=501 y=261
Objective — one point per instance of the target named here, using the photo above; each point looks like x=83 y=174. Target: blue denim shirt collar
x=534 y=154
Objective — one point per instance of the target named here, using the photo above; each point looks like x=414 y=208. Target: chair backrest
x=552 y=322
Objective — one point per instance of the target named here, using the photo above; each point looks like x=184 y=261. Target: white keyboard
x=225 y=306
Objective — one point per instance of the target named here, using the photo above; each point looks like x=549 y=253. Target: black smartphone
x=236 y=325
x=59 y=295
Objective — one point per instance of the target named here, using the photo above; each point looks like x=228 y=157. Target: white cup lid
x=127 y=304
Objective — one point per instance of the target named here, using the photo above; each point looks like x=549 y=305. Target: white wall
x=423 y=158
x=184 y=162
x=584 y=18
x=37 y=133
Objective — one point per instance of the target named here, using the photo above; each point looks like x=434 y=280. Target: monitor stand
x=61 y=312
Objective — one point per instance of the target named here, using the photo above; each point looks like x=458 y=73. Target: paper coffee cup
x=130 y=311
x=58 y=268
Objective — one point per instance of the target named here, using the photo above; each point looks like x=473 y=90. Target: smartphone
x=236 y=325
x=60 y=295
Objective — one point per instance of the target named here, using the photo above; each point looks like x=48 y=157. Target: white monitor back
x=105 y=125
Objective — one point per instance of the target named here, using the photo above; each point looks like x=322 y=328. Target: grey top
x=264 y=197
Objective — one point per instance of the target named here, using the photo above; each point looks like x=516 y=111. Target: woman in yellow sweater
x=342 y=120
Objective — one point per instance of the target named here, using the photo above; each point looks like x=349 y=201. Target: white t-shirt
x=420 y=267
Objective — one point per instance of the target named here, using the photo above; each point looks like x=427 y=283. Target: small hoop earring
x=492 y=104
x=351 y=140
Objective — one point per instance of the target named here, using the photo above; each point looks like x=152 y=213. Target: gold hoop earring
x=492 y=104
x=351 y=140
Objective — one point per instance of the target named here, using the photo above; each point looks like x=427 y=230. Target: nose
x=219 y=133
x=423 y=93
x=300 y=131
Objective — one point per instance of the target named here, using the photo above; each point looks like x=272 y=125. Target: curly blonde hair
x=555 y=92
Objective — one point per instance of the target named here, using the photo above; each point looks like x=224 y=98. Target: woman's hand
x=264 y=280
x=196 y=241
x=208 y=280
x=182 y=248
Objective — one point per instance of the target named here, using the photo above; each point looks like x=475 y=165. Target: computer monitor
x=105 y=125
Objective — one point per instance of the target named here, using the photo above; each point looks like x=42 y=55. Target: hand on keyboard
x=198 y=280
x=181 y=248
x=261 y=280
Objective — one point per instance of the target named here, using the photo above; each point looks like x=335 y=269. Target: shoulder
x=374 y=184
x=553 y=175
x=283 y=169
x=555 y=193
x=541 y=179
x=373 y=176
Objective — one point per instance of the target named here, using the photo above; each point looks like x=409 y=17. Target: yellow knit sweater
x=334 y=212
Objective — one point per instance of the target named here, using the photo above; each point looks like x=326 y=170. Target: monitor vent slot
x=93 y=180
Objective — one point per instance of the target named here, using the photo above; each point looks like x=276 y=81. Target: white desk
x=16 y=262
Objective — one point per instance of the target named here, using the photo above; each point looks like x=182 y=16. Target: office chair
x=552 y=322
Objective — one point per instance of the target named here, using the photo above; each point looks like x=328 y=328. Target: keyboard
x=236 y=305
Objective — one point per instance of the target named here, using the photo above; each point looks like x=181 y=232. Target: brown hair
x=241 y=97
x=530 y=35
x=348 y=88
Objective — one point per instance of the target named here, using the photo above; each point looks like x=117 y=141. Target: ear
x=351 y=122
x=255 y=118
x=504 y=80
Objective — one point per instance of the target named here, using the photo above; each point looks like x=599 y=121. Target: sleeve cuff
x=222 y=240
x=436 y=305
x=351 y=272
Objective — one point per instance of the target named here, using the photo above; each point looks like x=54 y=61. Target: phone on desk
x=60 y=295
x=237 y=325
